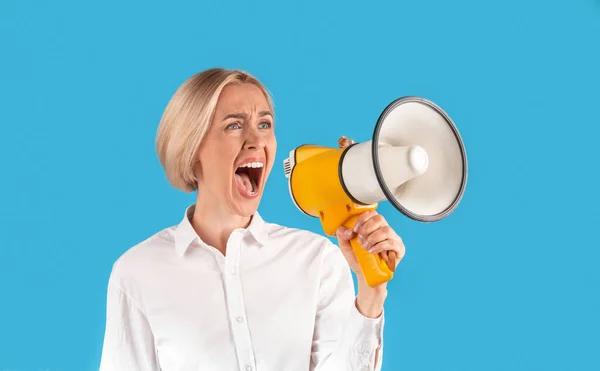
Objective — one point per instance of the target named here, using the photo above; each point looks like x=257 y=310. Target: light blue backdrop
x=510 y=281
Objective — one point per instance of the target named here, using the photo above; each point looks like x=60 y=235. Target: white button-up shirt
x=281 y=299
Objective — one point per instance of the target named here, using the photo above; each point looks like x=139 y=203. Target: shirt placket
x=235 y=304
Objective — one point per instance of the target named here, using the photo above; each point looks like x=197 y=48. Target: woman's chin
x=246 y=205
x=246 y=209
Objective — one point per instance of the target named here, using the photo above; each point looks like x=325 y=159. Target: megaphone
x=416 y=160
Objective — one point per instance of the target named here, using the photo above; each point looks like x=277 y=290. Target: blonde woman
x=224 y=289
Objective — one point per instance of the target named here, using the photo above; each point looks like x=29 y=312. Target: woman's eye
x=265 y=125
x=235 y=125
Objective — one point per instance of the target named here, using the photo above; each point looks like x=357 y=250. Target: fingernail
x=371 y=250
x=365 y=245
x=348 y=232
x=360 y=239
x=356 y=227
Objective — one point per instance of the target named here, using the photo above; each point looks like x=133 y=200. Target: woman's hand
x=375 y=235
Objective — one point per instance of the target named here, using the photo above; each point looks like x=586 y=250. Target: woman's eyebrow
x=245 y=116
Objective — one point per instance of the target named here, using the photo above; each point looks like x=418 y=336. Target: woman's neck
x=215 y=223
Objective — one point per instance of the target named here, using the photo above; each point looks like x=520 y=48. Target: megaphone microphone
x=416 y=160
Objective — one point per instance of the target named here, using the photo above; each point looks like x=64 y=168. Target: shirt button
x=248 y=368
x=240 y=319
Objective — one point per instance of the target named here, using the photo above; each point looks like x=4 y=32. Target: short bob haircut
x=187 y=118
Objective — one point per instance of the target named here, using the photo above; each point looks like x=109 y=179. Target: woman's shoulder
x=151 y=244
x=142 y=257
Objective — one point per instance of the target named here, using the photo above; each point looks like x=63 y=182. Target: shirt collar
x=185 y=233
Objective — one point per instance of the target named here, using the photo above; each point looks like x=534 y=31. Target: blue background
x=509 y=281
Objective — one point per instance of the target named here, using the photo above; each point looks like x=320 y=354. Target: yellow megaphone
x=416 y=160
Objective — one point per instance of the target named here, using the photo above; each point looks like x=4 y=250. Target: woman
x=224 y=289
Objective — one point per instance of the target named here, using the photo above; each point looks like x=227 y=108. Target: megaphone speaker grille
x=419 y=126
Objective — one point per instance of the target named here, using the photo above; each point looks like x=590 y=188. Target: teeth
x=253 y=164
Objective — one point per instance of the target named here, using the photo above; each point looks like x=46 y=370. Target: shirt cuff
x=368 y=335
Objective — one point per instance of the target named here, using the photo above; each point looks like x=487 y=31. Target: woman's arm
x=344 y=339
x=128 y=341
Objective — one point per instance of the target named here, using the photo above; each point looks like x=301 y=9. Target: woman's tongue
x=244 y=180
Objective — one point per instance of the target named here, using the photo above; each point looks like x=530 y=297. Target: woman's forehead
x=241 y=98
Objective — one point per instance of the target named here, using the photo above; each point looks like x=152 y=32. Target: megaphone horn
x=416 y=160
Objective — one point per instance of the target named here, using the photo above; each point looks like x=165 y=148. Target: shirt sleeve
x=344 y=339
x=128 y=340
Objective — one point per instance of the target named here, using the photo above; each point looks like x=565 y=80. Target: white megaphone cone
x=416 y=160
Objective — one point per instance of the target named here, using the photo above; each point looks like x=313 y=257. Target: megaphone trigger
x=390 y=259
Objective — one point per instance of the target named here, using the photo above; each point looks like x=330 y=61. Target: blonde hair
x=187 y=118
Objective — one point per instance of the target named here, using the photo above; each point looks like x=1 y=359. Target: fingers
x=369 y=222
x=368 y=239
x=388 y=245
x=343 y=233
x=377 y=237
x=391 y=251
x=387 y=250
x=363 y=218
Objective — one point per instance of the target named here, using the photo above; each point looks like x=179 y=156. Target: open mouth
x=248 y=177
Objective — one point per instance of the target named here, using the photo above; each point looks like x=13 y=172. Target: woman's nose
x=254 y=141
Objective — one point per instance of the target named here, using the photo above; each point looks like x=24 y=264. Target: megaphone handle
x=373 y=267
